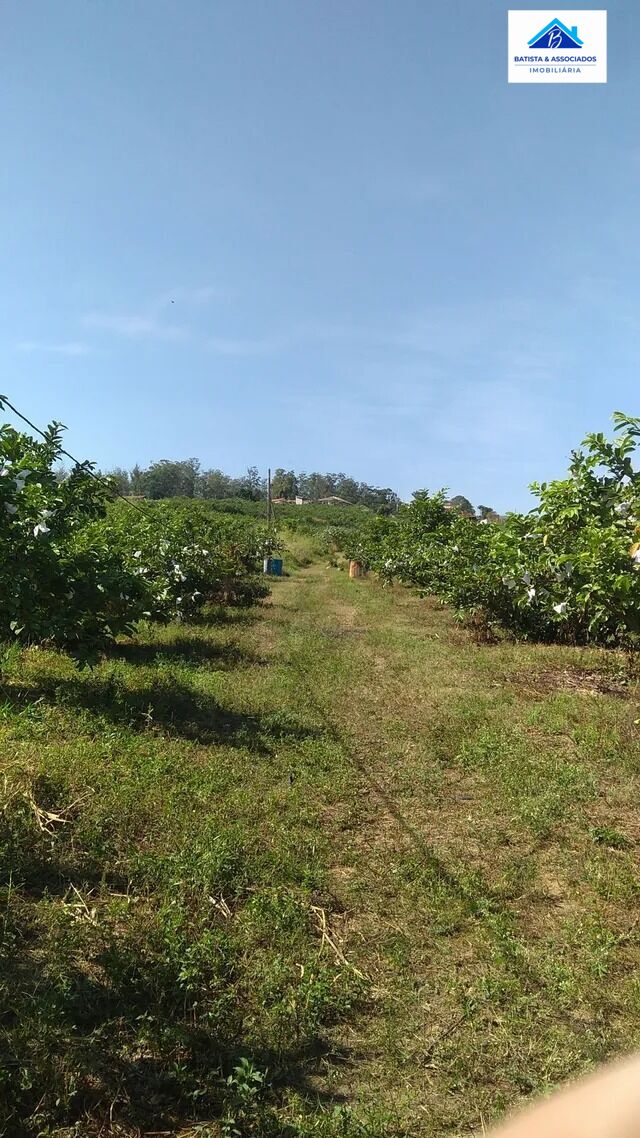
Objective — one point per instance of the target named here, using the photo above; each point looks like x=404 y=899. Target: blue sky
x=322 y=235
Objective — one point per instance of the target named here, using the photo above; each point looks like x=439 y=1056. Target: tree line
x=170 y=478
x=185 y=478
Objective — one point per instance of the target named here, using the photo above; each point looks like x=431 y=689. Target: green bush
x=77 y=569
x=187 y=555
x=566 y=571
x=54 y=585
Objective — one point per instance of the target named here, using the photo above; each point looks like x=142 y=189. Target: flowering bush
x=77 y=570
x=187 y=555
x=568 y=570
x=53 y=586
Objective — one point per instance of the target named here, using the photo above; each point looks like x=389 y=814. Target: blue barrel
x=273 y=566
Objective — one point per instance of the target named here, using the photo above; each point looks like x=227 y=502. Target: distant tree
x=319 y=485
x=121 y=479
x=136 y=480
x=284 y=484
x=459 y=502
x=347 y=488
x=251 y=485
x=301 y=479
x=171 y=478
x=167 y=479
x=382 y=500
x=214 y=484
x=390 y=500
x=487 y=513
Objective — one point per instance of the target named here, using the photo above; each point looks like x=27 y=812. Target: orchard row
x=568 y=571
x=77 y=568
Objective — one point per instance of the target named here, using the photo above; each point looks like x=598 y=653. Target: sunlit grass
x=328 y=868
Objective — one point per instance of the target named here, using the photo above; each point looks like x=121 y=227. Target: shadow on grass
x=226 y=615
x=186 y=650
x=166 y=704
x=117 y=1037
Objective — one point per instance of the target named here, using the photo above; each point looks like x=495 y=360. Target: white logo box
x=557 y=45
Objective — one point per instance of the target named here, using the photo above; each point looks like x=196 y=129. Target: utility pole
x=272 y=565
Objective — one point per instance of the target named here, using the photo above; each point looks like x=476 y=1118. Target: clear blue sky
x=324 y=235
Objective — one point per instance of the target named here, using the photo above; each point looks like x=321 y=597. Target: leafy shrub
x=187 y=555
x=566 y=571
x=54 y=586
x=77 y=570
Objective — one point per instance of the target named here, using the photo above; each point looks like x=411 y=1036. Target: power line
x=84 y=464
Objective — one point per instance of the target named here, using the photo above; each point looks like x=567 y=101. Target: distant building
x=330 y=500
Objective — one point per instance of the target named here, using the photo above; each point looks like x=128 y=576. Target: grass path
x=484 y=864
x=335 y=841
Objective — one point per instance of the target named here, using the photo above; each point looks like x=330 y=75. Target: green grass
x=324 y=868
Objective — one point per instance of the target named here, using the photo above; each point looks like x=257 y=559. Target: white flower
x=41 y=527
x=138 y=553
x=531 y=592
x=484 y=521
x=456 y=548
x=10 y=509
x=562 y=607
x=636 y=557
x=5 y=471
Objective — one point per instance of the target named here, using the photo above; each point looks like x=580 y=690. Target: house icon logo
x=570 y=45
x=556 y=36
